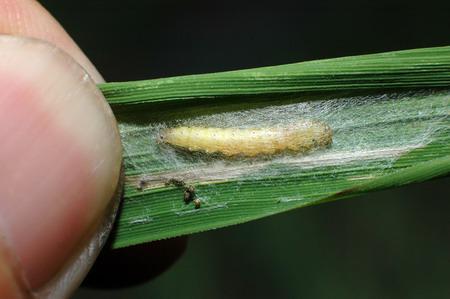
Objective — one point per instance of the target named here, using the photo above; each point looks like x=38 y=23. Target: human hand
x=60 y=157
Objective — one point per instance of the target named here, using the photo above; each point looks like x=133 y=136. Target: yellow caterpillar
x=301 y=137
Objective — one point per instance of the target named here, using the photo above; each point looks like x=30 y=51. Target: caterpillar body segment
x=300 y=137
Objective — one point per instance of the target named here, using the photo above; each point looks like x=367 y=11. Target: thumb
x=60 y=157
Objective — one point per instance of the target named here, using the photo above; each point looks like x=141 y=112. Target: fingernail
x=60 y=156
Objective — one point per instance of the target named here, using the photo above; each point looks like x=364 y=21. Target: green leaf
x=389 y=113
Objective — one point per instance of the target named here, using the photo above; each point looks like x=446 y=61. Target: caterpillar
x=301 y=137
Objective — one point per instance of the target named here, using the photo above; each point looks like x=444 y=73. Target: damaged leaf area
x=387 y=120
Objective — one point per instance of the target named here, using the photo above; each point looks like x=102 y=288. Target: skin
x=56 y=189
x=28 y=18
x=58 y=193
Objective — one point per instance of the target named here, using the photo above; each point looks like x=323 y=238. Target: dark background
x=390 y=244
